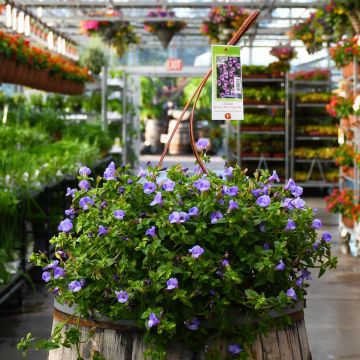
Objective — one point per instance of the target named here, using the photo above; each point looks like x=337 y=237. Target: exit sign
x=174 y=64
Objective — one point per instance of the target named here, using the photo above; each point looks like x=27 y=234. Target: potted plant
x=222 y=22
x=166 y=29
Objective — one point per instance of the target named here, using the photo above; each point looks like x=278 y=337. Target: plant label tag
x=227 y=90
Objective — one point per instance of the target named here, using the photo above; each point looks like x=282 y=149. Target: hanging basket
x=165 y=36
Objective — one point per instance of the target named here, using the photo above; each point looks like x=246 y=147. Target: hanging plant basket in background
x=164 y=30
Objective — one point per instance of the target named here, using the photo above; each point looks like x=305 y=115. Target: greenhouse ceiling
x=275 y=19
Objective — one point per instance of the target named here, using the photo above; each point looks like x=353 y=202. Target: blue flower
x=70 y=192
x=287 y=204
x=291 y=293
x=149 y=187
x=122 y=296
x=274 y=177
x=196 y=251
x=65 y=226
x=151 y=232
x=84 y=185
x=59 y=272
x=215 y=217
x=326 y=236
x=194 y=211
x=298 y=203
x=52 y=266
x=232 y=191
x=316 y=224
x=172 y=284
x=192 y=324
x=299 y=282
x=233 y=205
x=168 y=185
x=280 y=266
x=102 y=230
x=76 y=285
x=290 y=225
x=85 y=202
x=229 y=171
x=202 y=185
x=234 y=349
x=225 y=262
x=202 y=144
x=256 y=192
x=70 y=212
x=290 y=185
x=84 y=171
x=119 y=214
x=316 y=245
x=142 y=172
x=157 y=199
x=266 y=246
x=46 y=276
x=110 y=172
x=263 y=201
x=184 y=217
x=153 y=320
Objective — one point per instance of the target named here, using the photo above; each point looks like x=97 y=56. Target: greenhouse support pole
x=104 y=121
x=124 y=121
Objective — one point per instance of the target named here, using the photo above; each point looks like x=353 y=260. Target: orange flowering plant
x=344 y=51
x=342 y=202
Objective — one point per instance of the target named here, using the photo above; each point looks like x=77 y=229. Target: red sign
x=174 y=64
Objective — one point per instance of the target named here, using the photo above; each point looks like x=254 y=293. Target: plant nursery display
x=222 y=22
x=145 y=247
x=343 y=52
x=164 y=30
x=38 y=68
x=311 y=75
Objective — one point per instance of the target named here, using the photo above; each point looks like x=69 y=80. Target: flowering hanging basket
x=190 y=257
x=165 y=36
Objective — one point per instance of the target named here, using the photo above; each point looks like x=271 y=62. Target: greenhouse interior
x=205 y=153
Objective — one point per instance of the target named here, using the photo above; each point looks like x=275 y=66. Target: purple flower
x=234 y=349
x=280 y=266
x=84 y=171
x=326 y=236
x=76 y=285
x=130 y=181
x=84 y=185
x=215 y=216
x=65 y=226
x=102 y=230
x=174 y=218
x=221 y=202
x=70 y=192
x=184 y=217
x=172 y=284
x=202 y=185
x=316 y=224
x=316 y=245
x=59 y=272
x=153 y=320
x=85 y=202
x=263 y=201
x=142 y=172
x=157 y=199
x=225 y=262
x=305 y=274
x=290 y=225
x=192 y=324
x=256 y=192
x=70 y=212
x=297 y=191
x=168 y=185
x=233 y=205
x=290 y=185
x=194 y=211
x=232 y=191
x=56 y=291
x=110 y=172
x=119 y=214
x=291 y=293
x=202 y=144
x=103 y=205
x=122 y=296
x=266 y=246
x=149 y=187
x=52 y=266
x=196 y=251
x=229 y=171
x=46 y=276
x=298 y=203
x=299 y=282
x=288 y=204
x=121 y=190
x=274 y=177
x=151 y=232
x=262 y=226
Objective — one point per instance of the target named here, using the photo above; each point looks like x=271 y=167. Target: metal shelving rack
x=296 y=139
x=262 y=160
x=352 y=235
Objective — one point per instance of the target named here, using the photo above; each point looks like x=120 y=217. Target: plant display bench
x=116 y=340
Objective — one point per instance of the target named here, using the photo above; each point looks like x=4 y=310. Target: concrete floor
x=332 y=315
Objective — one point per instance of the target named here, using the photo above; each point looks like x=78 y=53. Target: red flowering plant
x=283 y=52
x=344 y=51
x=342 y=202
x=312 y=75
x=340 y=107
x=222 y=22
x=145 y=247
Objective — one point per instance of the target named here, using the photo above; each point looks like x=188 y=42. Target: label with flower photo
x=227 y=90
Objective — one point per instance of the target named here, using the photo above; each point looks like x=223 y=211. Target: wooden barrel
x=153 y=131
x=121 y=340
x=181 y=141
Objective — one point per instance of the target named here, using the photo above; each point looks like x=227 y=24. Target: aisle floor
x=332 y=316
